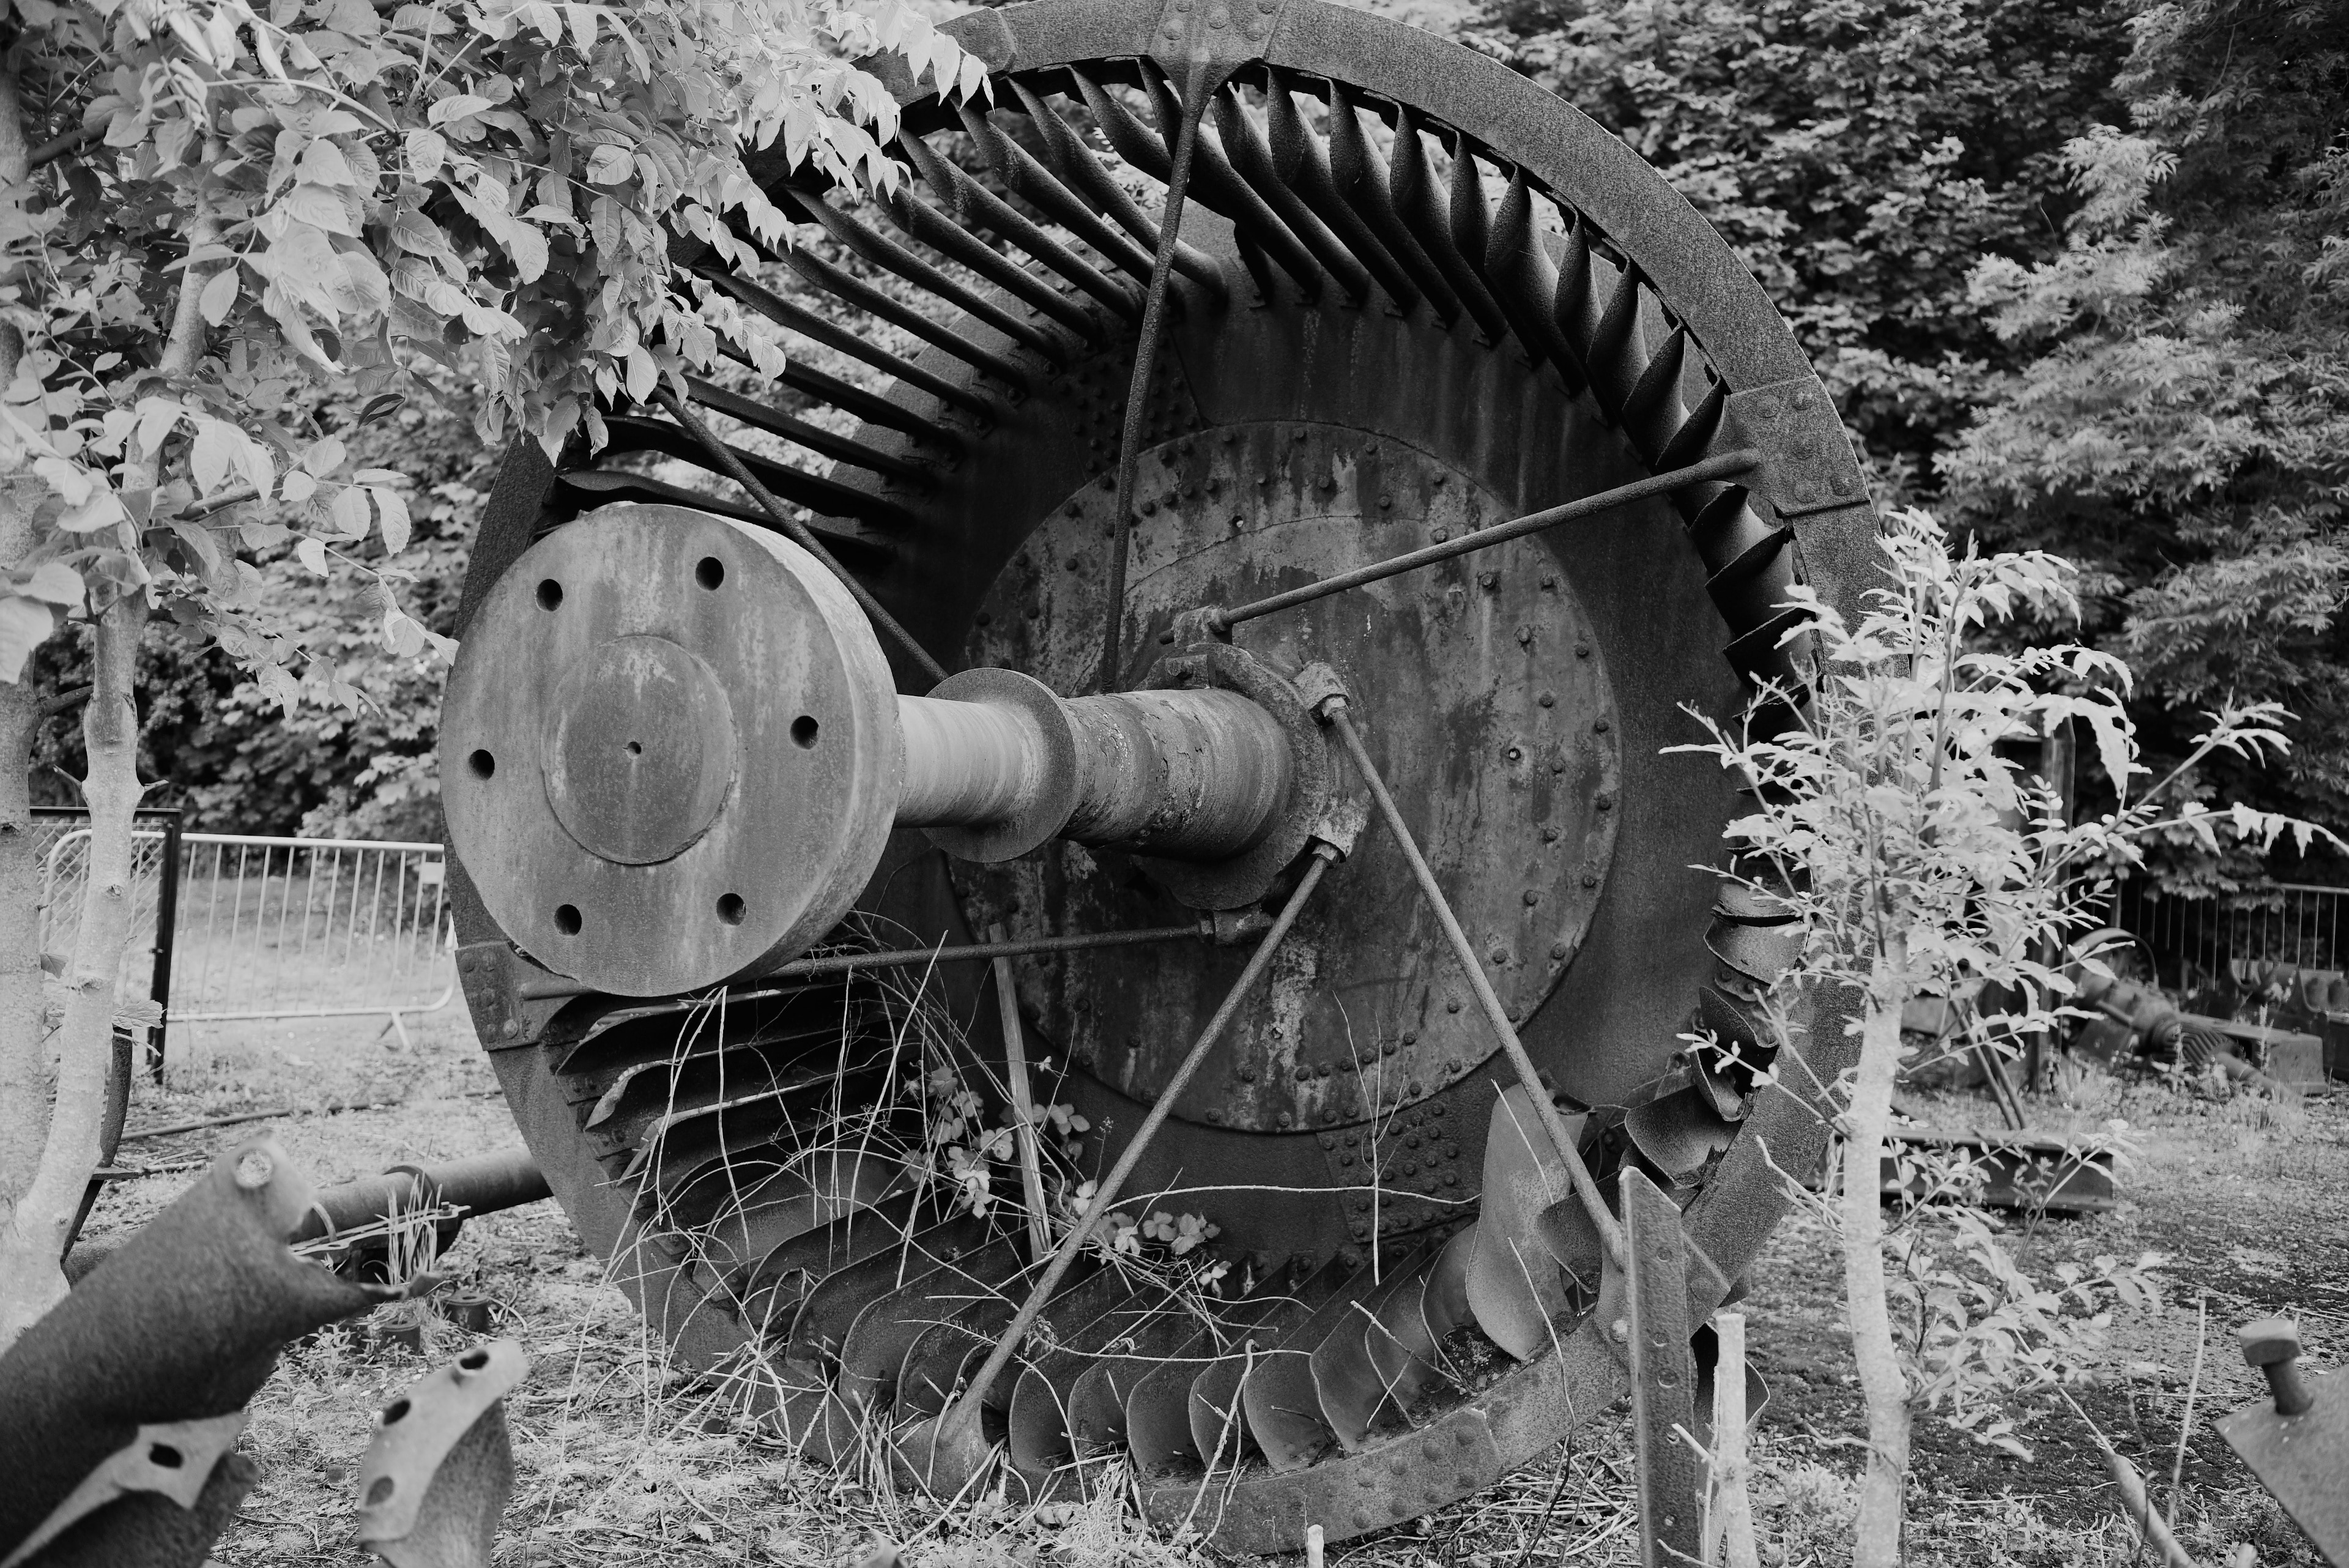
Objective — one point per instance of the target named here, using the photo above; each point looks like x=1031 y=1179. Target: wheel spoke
x=1333 y=710
x=1145 y=357
x=902 y=957
x=965 y=1413
x=1722 y=466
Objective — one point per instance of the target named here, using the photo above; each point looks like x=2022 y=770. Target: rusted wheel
x=1415 y=297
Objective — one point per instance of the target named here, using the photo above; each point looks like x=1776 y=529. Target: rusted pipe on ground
x=479 y=1184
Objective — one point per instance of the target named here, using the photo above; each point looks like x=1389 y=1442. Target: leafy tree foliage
x=210 y=215
x=1861 y=155
x=2183 y=429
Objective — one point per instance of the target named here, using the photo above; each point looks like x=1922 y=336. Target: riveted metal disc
x=665 y=758
x=1485 y=692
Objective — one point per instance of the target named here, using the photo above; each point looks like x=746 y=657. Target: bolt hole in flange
x=566 y=920
x=803 y=732
x=483 y=764
x=731 y=909
x=710 y=573
x=550 y=594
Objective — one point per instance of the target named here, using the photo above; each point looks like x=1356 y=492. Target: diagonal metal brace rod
x=1145 y=359
x=1332 y=712
x=556 y=986
x=797 y=531
x=1726 y=465
x=966 y=1409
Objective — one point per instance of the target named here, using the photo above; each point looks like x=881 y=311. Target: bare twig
x=2193 y=1386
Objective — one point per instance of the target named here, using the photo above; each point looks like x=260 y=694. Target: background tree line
x=2078 y=276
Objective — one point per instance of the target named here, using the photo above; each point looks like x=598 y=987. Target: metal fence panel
x=2283 y=937
x=254 y=928
x=311 y=927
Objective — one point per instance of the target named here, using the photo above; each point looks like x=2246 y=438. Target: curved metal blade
x=1679 y=1132
x=821 y=1324
x=1402 y=1344
x=1282 y=1405
x=1097 y=1403
x=793 y=1202
x=1515 y=1284
x=1346 y=1377
x=885 y=1330
x=1158 y=1407
x=1219 y=1430
x=1041 y=1440
x=1572 y=1241
x=771 y=1292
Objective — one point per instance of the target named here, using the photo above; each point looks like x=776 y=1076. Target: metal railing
x=61 y=839
x=269 y=927
x=2282 y=936
x=244 y=928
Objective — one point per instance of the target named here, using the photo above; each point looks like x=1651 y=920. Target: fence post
x=167 y=925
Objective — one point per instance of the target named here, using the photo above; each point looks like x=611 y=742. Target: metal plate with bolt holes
x=2304 y=1459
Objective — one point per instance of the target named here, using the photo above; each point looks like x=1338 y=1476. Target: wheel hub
x=641 y=749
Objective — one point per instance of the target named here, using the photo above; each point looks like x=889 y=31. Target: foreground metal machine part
x=1414 y=300
x=436 y=1476
x=116 y=1406
x=2297 y=1439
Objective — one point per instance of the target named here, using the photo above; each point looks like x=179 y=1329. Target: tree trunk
x=32 y=1249
x=1876 y=1541
x=24 y=1071
x=32 y=1245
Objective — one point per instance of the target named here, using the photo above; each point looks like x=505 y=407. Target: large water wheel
x=1412 y=297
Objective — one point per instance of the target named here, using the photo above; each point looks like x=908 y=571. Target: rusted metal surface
x=1410 y=298
x=1656 y=1327
x=434 y=1481
x=180 y=1323
x=2297 y=1439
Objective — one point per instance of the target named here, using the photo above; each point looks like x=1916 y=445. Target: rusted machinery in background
x=1268 y=606
x=2138 y=1019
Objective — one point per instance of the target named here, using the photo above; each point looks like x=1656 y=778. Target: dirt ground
x=621 y=1462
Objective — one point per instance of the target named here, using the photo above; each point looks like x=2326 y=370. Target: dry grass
x=621 y=1461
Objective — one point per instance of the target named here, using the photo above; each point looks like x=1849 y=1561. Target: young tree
x=211 y=209
x=1922 y=860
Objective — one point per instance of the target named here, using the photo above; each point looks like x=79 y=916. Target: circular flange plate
x=665 y=756
x=1486 y=704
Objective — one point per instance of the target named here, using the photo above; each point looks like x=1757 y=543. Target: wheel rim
x=968 y=493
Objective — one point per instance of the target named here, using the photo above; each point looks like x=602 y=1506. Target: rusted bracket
x=2296 y=1440
x=498 y=985
x=170 y=1460
x=435 y=1479
x=1663 y=1376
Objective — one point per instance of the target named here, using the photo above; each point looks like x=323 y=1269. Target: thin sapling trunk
x=1884 y=1387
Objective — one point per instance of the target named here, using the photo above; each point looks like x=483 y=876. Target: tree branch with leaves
x=243 y=205
x=1900 y=826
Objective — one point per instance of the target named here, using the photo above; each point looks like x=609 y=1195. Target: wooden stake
x=1732 y=1509
x=1023 y=1105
